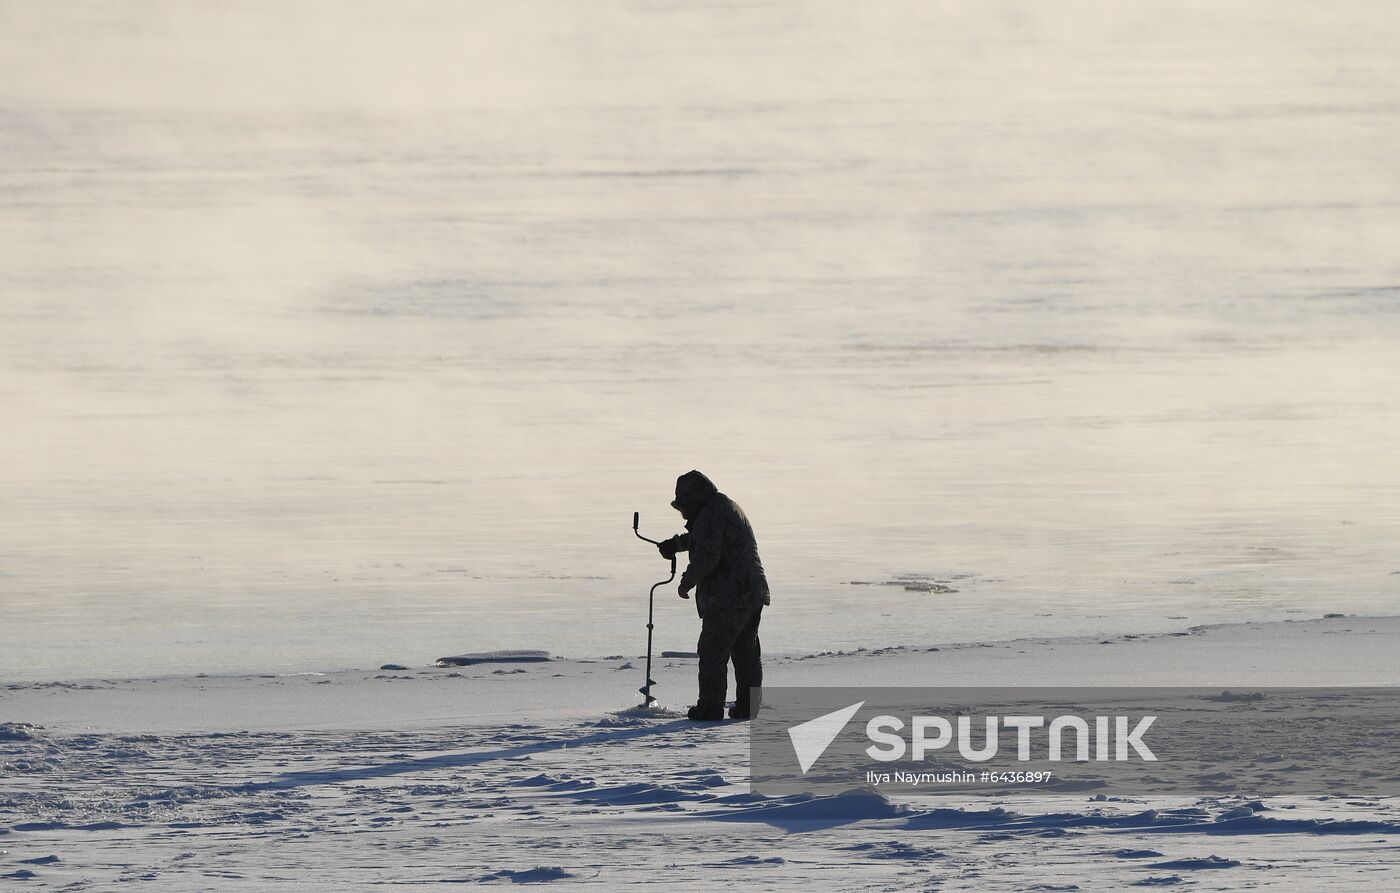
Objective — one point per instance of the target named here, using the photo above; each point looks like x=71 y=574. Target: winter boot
x=706 y=712
x=742 y=708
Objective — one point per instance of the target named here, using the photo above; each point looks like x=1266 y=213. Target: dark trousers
x=729 y=633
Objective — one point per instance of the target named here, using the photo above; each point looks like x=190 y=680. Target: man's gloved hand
x=685 y=588
x=667 y=548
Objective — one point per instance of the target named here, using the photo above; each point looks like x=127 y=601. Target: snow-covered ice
x=359 y=779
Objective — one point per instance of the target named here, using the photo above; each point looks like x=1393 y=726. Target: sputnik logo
x=810 y=739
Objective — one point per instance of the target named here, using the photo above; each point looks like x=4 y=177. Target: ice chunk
x=493 y=657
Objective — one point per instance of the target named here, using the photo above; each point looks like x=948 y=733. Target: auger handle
x=637 y=520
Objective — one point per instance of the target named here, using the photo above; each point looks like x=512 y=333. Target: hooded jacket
x=724 y=565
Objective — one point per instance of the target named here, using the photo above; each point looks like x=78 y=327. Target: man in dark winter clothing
x=730 y=592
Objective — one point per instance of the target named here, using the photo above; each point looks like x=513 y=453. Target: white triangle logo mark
x=810 y=739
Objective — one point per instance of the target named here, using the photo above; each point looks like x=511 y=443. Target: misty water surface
x=333 y=334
